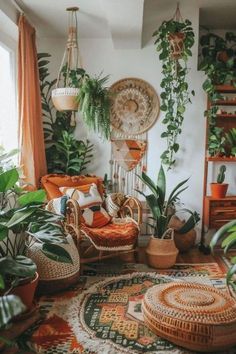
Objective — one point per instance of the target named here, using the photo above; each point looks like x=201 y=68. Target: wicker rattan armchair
x=118 y=237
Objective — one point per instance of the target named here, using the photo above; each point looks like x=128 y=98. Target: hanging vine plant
x=174 y=40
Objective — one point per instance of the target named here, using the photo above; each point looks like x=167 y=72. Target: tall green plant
x=57 y=126
x=218 y=61
x=160 y=205
x=175 y=90
x=227 y=235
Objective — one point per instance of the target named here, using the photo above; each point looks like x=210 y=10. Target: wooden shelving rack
x=217 y=212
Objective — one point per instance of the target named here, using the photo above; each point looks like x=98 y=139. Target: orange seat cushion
x=113 y=234
x=51 y=183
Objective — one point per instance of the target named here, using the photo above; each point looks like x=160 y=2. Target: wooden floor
x=192 y=256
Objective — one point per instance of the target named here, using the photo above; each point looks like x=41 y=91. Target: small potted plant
x=161 y=250
x=219 y=189
x=227 y=234
x=184 y=232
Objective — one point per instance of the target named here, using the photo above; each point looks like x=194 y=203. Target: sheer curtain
x=31 y=140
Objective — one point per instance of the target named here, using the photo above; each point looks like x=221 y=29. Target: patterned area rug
x=102 y=313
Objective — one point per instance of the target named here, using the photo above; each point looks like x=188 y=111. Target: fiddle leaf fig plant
x=171 y=37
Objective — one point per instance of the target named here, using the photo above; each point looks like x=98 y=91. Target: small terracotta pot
x=176 y=44
x=219 y=190
x=26 y=291
x=64 y=99
x=185 y=241
x=161 y=253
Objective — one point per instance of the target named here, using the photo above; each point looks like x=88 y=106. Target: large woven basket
x=194 y=316
x=55 y=276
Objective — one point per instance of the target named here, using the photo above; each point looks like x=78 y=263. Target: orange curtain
x=31 y=140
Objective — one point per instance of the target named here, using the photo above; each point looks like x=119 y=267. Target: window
x=8 y=112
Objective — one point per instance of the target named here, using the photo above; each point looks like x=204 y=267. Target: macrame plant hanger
x=65 y=93
x=176 y=39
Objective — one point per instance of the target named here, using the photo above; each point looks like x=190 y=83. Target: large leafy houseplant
x=227 y=235
x=175 y=90
x=218 y=61
x=23 y=213
x=162 y=207
x=59 y=126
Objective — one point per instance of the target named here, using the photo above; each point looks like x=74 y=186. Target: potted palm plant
x=22 y=213
x=219 y=189
x=161 y=250
x=227 y=234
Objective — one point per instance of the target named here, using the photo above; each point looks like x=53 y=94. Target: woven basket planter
x=161 y=253
x=193 y=316
x=55 y=276
x=64 y=99
x=176 y=44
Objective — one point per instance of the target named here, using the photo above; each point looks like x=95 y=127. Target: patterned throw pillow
x=86 y=195
x=95 y=216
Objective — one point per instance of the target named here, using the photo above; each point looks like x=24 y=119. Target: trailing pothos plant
x=175 y=90
x=64 y=153
x=218 y=61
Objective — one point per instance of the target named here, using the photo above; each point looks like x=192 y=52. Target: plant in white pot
x=161 y=250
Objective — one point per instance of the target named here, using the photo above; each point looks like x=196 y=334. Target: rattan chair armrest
x=73 y=213
x=131 y=206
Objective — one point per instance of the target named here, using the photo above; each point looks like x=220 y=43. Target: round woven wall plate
x=135 y=106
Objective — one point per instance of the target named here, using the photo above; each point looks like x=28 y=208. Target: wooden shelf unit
x=217 y=212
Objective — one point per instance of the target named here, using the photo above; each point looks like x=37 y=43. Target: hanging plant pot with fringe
x=65 y=98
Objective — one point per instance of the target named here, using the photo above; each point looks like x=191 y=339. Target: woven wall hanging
x=134 y=110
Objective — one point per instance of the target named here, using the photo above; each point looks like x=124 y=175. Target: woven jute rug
x=102 y=313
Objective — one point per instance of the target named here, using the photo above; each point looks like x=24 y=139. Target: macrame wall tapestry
x=135 y=108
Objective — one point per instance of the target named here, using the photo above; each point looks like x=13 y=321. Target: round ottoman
x=194 y=316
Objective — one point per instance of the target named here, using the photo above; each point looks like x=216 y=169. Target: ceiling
x=127 y=22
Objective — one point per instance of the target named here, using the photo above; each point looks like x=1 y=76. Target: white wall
x=99 y=55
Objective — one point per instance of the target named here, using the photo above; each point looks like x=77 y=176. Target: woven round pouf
x=194 y=316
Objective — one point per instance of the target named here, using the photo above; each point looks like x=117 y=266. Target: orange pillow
x=86 y=195
x=95 y=216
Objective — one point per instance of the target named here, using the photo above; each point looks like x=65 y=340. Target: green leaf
x=221 y=233
x=230 y=273
x=10 y=306
x=19 y=216
x=38 y=196
x=8 y=179
x=20 y=266
x=161 y=184
x=175 y=192
x=149 y=183
x=153 y=205
x=228 y=239
x=56 y=253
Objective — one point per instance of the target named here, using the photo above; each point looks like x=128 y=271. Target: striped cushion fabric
x=95 y=216
x=86 y=195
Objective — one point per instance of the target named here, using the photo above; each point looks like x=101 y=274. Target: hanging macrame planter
x=176 y=39
x=65 y=93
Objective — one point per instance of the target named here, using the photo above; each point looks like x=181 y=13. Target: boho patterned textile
x=128 y=153
x=86 y=195
x=102 y=315
x=120 y=234
x=95 y=216
x=52 y=182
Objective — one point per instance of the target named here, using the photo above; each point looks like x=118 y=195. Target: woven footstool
x=193 y=316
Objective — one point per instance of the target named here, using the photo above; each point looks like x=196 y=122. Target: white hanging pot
x=65 y=98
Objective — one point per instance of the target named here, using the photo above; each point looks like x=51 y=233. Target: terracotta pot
x=219 y=190
x=161 y=253
x=185 y=241
x=176 y=44
x=182 y=241
x=26 y=291
x=64 y=99
x=223 y=56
